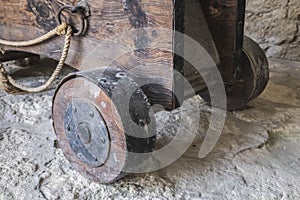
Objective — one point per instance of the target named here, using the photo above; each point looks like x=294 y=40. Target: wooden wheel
x=259 y=64
x=253 y=79
x=91 y=125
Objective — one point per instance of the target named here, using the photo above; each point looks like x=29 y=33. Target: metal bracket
x=83 y=4
x=239 y=40
x=82 y=9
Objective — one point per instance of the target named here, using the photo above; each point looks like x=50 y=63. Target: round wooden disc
x=103 y=94
x=259 y=63
x=253 y=80
x=81 y=89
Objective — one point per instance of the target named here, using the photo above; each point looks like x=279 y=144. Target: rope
x=60 y=30
x=8 y=84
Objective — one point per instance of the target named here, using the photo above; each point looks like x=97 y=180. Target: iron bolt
x=84 y=134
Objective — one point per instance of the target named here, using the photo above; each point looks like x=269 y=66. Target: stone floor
x=257 y=156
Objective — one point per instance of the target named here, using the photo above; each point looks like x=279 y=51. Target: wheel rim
x=85 y=94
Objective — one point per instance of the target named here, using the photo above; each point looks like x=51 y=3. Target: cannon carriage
x=129 y=55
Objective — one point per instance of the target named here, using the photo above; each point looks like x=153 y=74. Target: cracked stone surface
x=275 y=25
x=257 y=156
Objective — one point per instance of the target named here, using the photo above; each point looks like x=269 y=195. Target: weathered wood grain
x=221 y=16
x=197 y=28
x=27 y=19
x=15 y=56
x=113 y=19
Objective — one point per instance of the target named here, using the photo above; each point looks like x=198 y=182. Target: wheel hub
x=87 y=133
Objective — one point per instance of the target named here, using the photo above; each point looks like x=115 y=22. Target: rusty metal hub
x=87 y=133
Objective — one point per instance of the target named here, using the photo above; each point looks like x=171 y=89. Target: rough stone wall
x=275 y=25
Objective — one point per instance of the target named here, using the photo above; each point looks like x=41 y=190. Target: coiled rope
x=8 y=84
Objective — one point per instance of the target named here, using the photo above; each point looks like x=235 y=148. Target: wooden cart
x=99 y=151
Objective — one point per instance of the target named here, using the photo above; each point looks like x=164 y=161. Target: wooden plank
x=221 y=16
x=197 y=28
x=27 y=19
x=15 y=56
